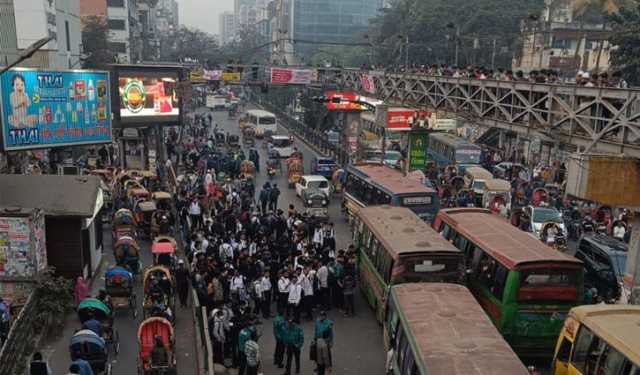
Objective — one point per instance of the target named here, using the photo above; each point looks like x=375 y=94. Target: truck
x=216 y=102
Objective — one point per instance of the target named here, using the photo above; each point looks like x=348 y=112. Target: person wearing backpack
x=273 y=197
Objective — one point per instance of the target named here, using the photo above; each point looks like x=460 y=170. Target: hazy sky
x=203 y=14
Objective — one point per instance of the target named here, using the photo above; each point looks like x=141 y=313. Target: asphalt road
x=125 y=363
x=358 y=345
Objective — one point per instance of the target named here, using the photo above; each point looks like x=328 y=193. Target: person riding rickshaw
x=247 y=169
x=159 y=293
x=295 y=170
x=337 y=179
x=497 y=194
x=161 y=223
x=540 y=197
x=163 y=200
x=87 y=345
x=94 y=309
x=144 y=210
x=552 y=235
x=156 y=347
x=220 y=139
x=127 y=254
x=465 y=198
x=118 y=282
x=249 y=137
x=233 y=143
x=134 y=195
x=124 y=223
x=164 y=252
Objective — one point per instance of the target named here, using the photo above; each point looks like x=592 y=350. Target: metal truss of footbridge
x=593 y=119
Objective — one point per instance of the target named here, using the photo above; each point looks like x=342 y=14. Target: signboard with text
x=346 y=101
x=418 y=142
x=42 y=109
x=291 y=76
x=230 y=77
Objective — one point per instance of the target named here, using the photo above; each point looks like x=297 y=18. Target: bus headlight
x=309 y=202
x=324 y=202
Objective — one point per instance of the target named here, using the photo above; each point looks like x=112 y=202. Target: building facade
x=561 y=41
x=227 y=26
x=23 y=22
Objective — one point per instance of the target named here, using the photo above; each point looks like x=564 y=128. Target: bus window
x=583 y=349
x=547 y=285
x=392 y=323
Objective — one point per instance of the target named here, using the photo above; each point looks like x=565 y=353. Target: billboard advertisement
x=42 y=109
x=418 y=142
x=346 y=101
x=291 y=76
x=368 y=84
x=231 y=76
x=148 y=97
x=399 y=119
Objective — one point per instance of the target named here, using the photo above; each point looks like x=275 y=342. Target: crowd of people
x=549 y=76
x=249 y=261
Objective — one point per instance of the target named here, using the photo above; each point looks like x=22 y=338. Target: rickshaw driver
x=159 y=307
x=92 y=324
x=159 y=354
x=105 y=298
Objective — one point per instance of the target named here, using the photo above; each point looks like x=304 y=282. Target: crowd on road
x=247 y=256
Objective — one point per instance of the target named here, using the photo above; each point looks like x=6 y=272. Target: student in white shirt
x=283 y=292
x=265 y=284
x=294 y=299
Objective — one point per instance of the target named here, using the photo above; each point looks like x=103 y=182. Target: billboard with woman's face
x=42 y=109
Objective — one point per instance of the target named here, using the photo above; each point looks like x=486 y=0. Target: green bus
x=437 y=328
x=395 y=246
x=526 y=287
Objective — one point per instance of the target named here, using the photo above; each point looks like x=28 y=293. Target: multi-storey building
x=227 y=27
x=23 y=22
x=122 y=20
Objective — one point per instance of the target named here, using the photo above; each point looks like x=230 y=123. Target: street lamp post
x=27 y=53
x=451 y=25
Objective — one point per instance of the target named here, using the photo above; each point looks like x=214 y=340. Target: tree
x=188 y=43
x=626 y=36
x=95 y=43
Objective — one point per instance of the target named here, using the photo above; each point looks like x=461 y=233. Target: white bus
x=262 y=121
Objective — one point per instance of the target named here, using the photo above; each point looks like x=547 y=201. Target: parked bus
x=373 y=184
x=262 y=121
x=436 y=328
x=395 y=246
x=447 y=149
x=599 y=339
x=526 y=287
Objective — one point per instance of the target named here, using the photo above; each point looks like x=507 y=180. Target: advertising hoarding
x=148 y=96
x=368 y=84
x=399 y=119
x=231 y=76
x=42 y=109
x=291 y=76
x=212 y=75
x=346 y=101
x=418 y=142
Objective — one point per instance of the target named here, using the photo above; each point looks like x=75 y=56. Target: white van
x=280 y=146
x=262 y=121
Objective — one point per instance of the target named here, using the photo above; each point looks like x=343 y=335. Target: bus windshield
x=468 y=155
x=267 y=120
x=548 y=285
x=281 y=142
x=431 y=268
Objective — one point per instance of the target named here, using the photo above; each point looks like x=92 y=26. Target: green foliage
x=55 y=300
x=189 y=43
x=95 y=43
x=432 y=26
x=249 y=47
x=626 y=36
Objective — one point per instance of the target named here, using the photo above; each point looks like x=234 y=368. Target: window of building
x=115 y=3
x=66 y=31
x=116 y=24
x=118 y=47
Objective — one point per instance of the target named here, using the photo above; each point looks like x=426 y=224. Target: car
x=605 y=261
x=280 y=146
x=316 y=204
x=541 y=215
x=313 y=182
x=323 y=166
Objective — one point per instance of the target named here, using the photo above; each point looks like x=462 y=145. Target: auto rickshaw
x=159 y=293
x=248 y=169
x=162 y=199
x=118 y=282
x=148 y=331
x=316 y=204
x=93 y=308
x=337 y=180
x=160 y=223
x=127 y=254
x=87 y=345
x=249 y=137
x=295 y=170
x=497 y=193
x=124 y=224
x=164 y=250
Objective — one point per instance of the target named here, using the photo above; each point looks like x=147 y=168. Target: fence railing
x=20 y=339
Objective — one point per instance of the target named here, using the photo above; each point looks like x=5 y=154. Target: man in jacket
x=243 y=338
x=295 y=340
x=252 y=354
x=280 y=334
x=274 y=194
